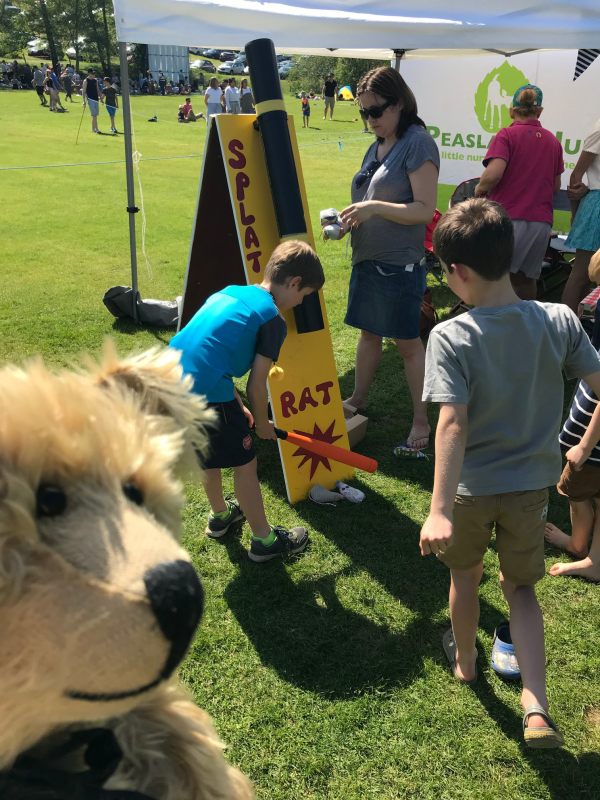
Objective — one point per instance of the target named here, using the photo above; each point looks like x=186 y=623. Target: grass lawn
x=324 y=675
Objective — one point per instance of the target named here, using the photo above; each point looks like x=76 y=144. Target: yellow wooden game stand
x=234 y=235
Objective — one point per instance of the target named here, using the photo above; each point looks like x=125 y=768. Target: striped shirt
x=576 y=424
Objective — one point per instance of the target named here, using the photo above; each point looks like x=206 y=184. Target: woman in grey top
x=393 y=198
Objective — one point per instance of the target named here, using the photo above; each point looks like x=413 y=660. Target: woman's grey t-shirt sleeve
x=422 y=148
x=445 y=377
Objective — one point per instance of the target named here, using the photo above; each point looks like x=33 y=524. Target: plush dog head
x=98 y=602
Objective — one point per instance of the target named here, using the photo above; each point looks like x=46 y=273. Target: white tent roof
x=314 y=26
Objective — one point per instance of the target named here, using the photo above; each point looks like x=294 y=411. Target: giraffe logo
x=494 y=96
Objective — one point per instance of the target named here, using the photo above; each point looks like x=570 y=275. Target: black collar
x=32 y=779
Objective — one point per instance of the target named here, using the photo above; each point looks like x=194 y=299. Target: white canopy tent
x=383 y=25
x=386 y=29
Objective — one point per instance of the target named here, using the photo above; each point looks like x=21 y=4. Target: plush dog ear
x=156 y=377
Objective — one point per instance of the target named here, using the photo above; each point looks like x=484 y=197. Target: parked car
x=38 y=47
x=227 y=55
x=211 y=53
x=284 y=72
x=226 y=68
x=281 y=58
x=203 y=64
x=196 y=51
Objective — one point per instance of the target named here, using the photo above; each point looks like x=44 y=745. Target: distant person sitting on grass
x=186 y=112
x=237 y=330
x=580 y=480
x=496 y=442
x=109 y=98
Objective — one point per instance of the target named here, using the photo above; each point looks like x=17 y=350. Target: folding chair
x=556 y=266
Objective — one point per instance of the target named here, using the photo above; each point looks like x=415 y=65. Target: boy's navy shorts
x=229 y=440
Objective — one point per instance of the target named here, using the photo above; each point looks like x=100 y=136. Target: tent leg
x=132 y=209
x=398 y=58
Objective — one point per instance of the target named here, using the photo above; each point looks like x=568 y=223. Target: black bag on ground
x=159 y=313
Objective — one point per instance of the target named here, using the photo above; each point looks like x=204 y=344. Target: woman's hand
x=575 y=191
x=357 y=213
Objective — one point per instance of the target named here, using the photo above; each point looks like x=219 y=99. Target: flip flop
x=449 y=646
x=545 y=737
x=403 y=449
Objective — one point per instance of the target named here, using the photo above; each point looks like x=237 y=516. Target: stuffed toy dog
x=98 y=602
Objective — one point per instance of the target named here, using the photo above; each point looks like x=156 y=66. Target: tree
x=107 y=41
x=14 y=32
x=309 y=73
x=49 y=32
x=350 y=70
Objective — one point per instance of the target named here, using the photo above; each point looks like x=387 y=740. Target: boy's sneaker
x=504 y=660
x=287 y=542
x=219 y=525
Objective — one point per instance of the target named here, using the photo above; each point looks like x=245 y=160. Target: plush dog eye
x=50 y=501
x=133 y=493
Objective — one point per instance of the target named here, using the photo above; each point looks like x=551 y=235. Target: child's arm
x=450 y=439
x=579 y=453
x=256 y=388
x=247 y=413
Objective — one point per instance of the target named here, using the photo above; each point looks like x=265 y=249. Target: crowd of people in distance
x=147 y=83
x=225 y=97
x=49 y=82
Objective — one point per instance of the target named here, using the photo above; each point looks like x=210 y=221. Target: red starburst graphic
x=316 y=458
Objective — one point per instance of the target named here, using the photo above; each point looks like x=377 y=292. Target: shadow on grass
x=302 y=629
x=127 y=326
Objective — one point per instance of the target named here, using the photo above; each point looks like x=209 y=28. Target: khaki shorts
x=329 y=102
x=518 y=518
x=579 y=485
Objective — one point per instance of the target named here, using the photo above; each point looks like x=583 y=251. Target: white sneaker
x=350 y=493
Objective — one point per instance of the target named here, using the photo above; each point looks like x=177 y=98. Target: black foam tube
x=281 y=168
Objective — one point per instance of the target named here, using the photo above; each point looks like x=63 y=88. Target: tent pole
x=132 y=209
x=398 y=58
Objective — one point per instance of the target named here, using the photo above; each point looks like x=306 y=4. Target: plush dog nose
x=176 y=597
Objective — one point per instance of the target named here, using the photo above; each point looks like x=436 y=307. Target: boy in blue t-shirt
x=239 y=329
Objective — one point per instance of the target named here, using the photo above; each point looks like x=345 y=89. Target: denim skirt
x=585 y=231
x=385 y=299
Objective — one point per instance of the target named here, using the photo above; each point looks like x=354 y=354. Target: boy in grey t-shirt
x=496 y=372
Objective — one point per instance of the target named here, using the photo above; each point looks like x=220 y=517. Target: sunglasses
x=366 y=173
x=375 y=111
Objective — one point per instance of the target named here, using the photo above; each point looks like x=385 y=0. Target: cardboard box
x=356 y=426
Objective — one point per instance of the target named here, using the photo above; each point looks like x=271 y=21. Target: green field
x=324 y=675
